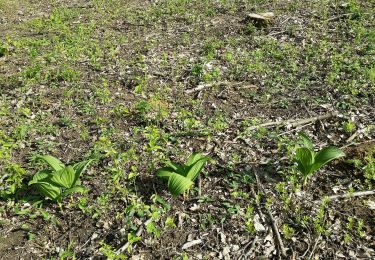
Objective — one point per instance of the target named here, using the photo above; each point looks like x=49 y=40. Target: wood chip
x=192 y=243
x=261 y=16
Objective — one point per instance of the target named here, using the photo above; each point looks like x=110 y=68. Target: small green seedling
x=309 y=161
x=60 y=180
x=181 y=177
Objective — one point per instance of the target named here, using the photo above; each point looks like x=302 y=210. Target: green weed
x=181 y=176
x=308 y=161
x=60 y=180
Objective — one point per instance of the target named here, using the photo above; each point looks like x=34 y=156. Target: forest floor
x=135 y=83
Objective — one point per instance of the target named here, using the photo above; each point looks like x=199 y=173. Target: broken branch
x=350 y=195
x=275 y=229
x=296 y=122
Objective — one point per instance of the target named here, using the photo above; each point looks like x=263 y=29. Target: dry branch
x=353 y=136
x=296 y=122
x=349 y=195
x=275 y=229
x=314 y=247
x=203 y=86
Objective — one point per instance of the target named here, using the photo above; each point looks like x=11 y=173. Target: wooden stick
x=314 y=247
x=294 y=129
x=198 y=88
x=296 y=122
x=275 y=229
x=252 y=248
x=339 y=17
x=349 y=195
x=208 y=85
x=356 y=144
x=353 y=136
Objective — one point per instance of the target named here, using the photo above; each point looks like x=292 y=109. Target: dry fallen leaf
x=191 y=243
x=257 y=225
x=371 y=204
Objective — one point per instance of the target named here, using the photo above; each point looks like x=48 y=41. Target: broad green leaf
x=305 y=159
x=79 y=189
x=178 y=184
x=165 y=172
x=40 y=176
x=65 y=177
x=48 y=190
x=80 y=167
x=306 y=141
x=196 y=168
x=193 y=158
x=53 y=162
x=326 y=155
x=180 y=169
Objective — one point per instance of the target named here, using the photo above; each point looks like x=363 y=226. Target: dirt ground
x=133 y=84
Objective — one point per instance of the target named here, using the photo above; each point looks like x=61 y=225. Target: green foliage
x=60 y=180
x=109 y=252
x=14 y=175
x=369 y=168
x=250 y=225
x=181 y=177
x=3 y=49
x=288 y=231
x=349 y=126
x=169 y=223
x=309 y=161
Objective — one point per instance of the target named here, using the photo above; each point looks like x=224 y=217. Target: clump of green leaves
x=349 y=126
x=309 y=161
x=60 y=180
x=12 y=181
x=369 y=169
x=182 y=176
x=3 y=49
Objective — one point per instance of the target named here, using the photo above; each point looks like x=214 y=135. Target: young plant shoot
x=60 y=180
x=309 y=161
x=182 y=176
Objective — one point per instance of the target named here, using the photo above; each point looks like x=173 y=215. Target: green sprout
x=181 y=177
x=60 y=180
x=309 y=161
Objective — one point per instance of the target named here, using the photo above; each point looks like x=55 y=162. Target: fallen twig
x=294 y=129
x=275 y=33
x=139 y=233
x=257 y=204
x=356 y=144
x=353 y=136
x=349 y=195
x=314 y=247
x=249 y=253
x=339 y=17
x=275 y=229
x=203 y=86
x=296 y=122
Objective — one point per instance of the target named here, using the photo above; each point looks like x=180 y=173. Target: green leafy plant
x=60 y=180
x=309 y=161
x=181 y=177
